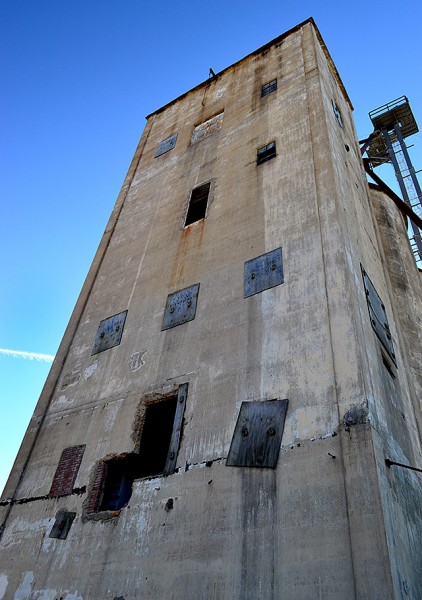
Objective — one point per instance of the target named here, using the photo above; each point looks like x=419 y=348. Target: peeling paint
x=3 y=585
x=70 y=379
x=137 y=360
x=89 y=371
x=63 y=401
x=24 y=590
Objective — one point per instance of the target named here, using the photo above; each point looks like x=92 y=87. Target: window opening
x=119 y=477
x=207 y=128
x=337 y=113
x=266 y=153
x=198 y=203
x=269 y=87
x=156 y=436
x=159 y=446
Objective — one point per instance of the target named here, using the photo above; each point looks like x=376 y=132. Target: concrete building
x=243 y=358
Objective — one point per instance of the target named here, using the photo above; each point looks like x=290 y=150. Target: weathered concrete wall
x=314 y=526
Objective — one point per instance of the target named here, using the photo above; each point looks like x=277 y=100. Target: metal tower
x=393 y=122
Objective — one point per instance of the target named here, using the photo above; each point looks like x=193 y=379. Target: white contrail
x=27 y=355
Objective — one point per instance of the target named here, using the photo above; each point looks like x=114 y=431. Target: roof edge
x=266 y=46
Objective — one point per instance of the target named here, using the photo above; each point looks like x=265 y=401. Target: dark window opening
x=158 y=450
x=156 y=436
x=198 y=203
x=120 y=474
x=266 y=153
x=269 y=87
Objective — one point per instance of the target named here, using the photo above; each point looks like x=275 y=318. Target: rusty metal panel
x=166 y=145
x=62 y=524
x=180 y=307
x=207 y=128
x=177 y=429
x=378 y=315
x=263 y=272
x=109 y=333
x=257 y=435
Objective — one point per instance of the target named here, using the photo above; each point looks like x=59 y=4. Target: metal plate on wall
x=180 y=307
x=166 y=145
x=378 y=315
x=257 y=435
x=109 y=333
x=62 y=524
x=263 y=272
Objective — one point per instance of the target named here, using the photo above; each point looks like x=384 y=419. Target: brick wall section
x=67 y=470
x=97 y=488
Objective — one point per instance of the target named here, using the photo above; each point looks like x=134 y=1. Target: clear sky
x=78 y=79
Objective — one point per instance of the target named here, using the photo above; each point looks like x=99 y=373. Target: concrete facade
x=331 y=520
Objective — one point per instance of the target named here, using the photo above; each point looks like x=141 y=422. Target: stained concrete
x=331 y=520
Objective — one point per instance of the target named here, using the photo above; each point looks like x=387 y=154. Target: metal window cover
x=166 y=145
x=62 y=524
x=378 y=315
x=269 y=87
x=263 y=272
x=337 y=113
x=257 y=436
x=180 y=307
x=207 y=128
x=109 y=333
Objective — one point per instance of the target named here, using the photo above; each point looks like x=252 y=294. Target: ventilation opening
x=156 y=436
x=265 y=153
x=198 y=203
x=268 y=88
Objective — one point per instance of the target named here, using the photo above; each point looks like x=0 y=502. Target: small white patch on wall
x=63 y=401
x=23 y=592
x=137 y=360
x=3 y=585
x=89 y=371
x=70 y=379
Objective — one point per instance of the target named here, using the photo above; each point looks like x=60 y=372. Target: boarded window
x=263 y=272
x=257 y=435
x=67 y=471
x=265 y=153
x=62 y=524
x=337 y=113
x=180 y=307
x=109 y=332
x=198 y=203
x=207 y=128
x=160 y=440
x=269 y=87
x=378 y=315
x=166 y=145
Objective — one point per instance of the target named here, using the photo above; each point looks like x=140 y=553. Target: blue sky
x=78 y=79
